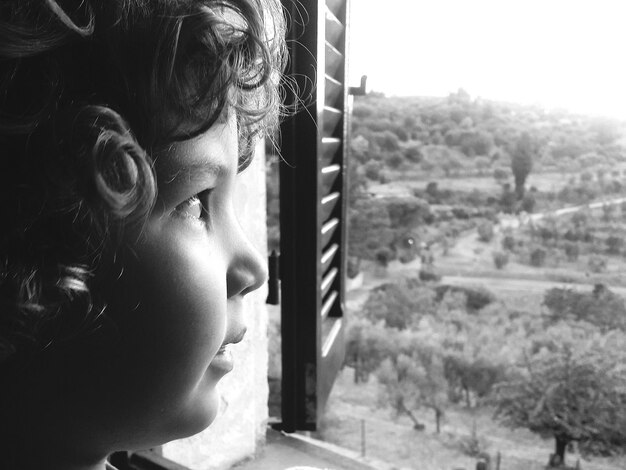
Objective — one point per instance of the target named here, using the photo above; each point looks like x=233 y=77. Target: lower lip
x=223 y=361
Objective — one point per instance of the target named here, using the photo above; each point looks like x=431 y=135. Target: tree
x=406 y=213
x=400 y=304
x=367 y=346
x=500 y=259
x=500 y=175
x=485 y=231
x=522 y=162
x=601 y=307
x=370 y=228
x=482 y=164
x=571 y=392
x=413 y=153
x=412 y=382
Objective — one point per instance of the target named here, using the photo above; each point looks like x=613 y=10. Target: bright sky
x=557 y=53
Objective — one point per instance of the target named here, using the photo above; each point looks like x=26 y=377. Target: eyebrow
x=196 y=170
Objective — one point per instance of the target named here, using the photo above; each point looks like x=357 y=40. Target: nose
x=247 y=270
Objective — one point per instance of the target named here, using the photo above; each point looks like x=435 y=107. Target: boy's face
x=179 y=298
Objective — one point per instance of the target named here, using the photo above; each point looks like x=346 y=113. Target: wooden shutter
x=313 y=212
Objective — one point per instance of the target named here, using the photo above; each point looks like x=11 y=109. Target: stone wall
x=240 y=426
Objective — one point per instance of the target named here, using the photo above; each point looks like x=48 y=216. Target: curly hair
x=89 y=90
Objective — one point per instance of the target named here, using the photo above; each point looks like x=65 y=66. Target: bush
x=571 y=250
x=372 y=170
x=413 y=153
x=614 y=245
x=485 y=231
x=429 y=275
x=508 y=243
x=500 y=259
x=500 y=174
x=383 y=256
x=597 y=264
x=538 y=257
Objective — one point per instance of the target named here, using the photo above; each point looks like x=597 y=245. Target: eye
x=194 y=208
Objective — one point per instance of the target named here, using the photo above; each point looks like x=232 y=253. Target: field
x=394 y=440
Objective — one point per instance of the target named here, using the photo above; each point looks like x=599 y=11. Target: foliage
x=485 y=231
x=368 y=344
x=474 y=298
x=597 y=264
x=601 y=308
x=428 y=274
x=376 y=225
x=500 y=259
x=528 y=203
x=538 y=257
x=370 y=228
x=399 y=305
x=614 y=244
x=522 y=161
x=383 y=256
x=572 y=250
x=500 y=175
x=575 y=391
x=508 y=242
x=415 y=381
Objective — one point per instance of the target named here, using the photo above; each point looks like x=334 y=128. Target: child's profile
x=123 y=125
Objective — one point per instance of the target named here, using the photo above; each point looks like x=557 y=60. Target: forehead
x=214 y=151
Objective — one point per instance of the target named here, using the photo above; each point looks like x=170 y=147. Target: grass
x=393 y=439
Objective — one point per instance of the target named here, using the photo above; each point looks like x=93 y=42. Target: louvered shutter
x=313 y=212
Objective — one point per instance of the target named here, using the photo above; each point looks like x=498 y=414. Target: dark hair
x=89 y=89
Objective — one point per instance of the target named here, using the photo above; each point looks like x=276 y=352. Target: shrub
x=614 y=244
x=429 y=275
x=394 y=160
x=485 y=231
x=597 y=264
x=372 y=170
x=538 y=257
x=413 y=153
x=500 y=259
x=500 y=174
x=571 y=250
x=508 y=243
x=476 y=298
x=383 y=256
x=528 y=203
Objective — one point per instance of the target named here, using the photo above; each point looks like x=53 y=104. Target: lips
x=223 y=360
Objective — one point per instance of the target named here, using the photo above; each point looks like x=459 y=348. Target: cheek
x=176 y=319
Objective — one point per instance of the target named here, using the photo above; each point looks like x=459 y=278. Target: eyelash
x=196 y=201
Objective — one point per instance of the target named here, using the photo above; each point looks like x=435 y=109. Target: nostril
x=246 y=277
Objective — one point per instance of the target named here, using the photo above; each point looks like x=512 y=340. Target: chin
x=200 y=413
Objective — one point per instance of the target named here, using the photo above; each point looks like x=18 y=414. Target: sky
x=554 y=53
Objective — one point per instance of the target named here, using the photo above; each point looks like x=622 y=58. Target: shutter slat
x=327 y=204
x=327 y=281
x=328 y=229
x=328 y=176
x=330 y=148
x=334 y=92
x=332 y=118
x=328 y=256
x=328 y=304
x=331 y=337
x=334 y=29
x=334 y=62
x=337 y=7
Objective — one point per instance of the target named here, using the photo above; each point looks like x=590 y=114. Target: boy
x=123 y=125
